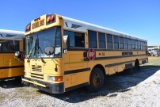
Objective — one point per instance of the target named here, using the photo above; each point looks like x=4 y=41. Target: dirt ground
x=137 y=89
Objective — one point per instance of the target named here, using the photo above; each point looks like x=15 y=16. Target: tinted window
x=133 y=44
x=139 y=45
x=71 y=38
x=143 y=46
x=121 y=43
x=109 y=41
x=125 y=43
x=76 y=39
x=129 y=44
x=101 y=38
x=92 y=39
x=9 y=46
x=136 y=44
x=116 y=42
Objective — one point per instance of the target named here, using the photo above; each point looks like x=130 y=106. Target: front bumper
x=53 y=88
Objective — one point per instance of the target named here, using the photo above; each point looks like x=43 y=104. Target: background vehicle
x=10 y=41
x=153 y=52
x=62 y=54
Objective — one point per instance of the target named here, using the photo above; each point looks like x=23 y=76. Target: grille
x=37 y=76
x=37 y=68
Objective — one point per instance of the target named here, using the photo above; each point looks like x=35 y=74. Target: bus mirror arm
x=65 y=51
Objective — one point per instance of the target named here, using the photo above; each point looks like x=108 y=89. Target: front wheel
x=96 y=80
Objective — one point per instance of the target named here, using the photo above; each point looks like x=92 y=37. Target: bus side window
x=116 y=42
x=92 y=39
x=75 y=39
x=109 y=42
x=71 y=38
x=121 y=43
x=101 y=40
x=125 y=43
x=79 y=40
x=9 y=46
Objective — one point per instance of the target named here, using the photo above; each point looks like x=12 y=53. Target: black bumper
x=54 y=88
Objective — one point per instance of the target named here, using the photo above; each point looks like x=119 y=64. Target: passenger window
x=136 y=45
x=129 y=44
x=75 y=39
x=101 y=39
x=121 y=43
x=139 y=45
x=116 y=42
x=92 y=39
x=109 y=41
x=79 y=39
x=9 y=46
x=125 y=43
x=133 y=44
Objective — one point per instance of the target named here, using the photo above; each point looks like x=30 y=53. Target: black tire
x=96 y=80
x=18 y=80
x=137 y=67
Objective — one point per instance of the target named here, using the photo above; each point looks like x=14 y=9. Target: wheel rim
x=96 y=80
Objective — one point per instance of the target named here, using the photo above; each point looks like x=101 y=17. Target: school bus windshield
x=37 y=42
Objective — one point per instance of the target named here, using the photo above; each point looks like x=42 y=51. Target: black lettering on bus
x=66 y=24
x=75 y=26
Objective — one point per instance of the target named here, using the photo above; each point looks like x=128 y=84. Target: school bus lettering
x=38 y=24
x=75 y=26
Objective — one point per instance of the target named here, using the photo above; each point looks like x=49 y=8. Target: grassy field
x=153 y=61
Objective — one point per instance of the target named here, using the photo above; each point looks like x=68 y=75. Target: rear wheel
x=96 y=80
x=137 y=67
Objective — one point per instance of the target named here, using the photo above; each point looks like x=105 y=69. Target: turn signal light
x=58 y=79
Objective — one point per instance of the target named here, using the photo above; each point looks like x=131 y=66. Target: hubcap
x=97 y=80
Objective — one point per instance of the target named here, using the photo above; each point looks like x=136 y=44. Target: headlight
x=55 y=78
x=51 y=78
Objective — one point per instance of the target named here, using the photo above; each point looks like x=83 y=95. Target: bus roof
x=73 y=24
x=11 y=34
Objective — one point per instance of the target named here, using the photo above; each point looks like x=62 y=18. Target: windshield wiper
x=28 y=59
x=37 y=48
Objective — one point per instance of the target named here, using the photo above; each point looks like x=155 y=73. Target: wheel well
x=101 y=67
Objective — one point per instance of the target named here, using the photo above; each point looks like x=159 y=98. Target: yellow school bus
x=10 y=42
x=62 y=54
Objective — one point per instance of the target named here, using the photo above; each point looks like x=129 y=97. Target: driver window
x=75 y=39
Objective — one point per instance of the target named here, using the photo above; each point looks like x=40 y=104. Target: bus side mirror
x=49 y=50
x=19 y=55
x=66 y=42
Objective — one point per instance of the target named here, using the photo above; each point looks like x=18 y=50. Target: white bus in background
x=154 y=51
x=10 y=42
